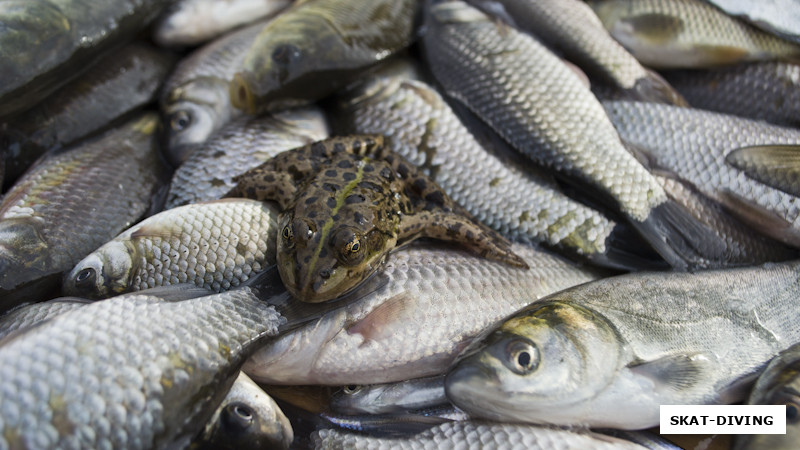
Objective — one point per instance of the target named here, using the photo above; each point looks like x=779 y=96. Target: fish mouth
x=474 y=389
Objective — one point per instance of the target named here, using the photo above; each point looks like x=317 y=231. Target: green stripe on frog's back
x=340 y=198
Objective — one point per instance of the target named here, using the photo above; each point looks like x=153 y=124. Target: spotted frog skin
x=347 y=202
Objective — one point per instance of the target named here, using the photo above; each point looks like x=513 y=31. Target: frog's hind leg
x=438 y=223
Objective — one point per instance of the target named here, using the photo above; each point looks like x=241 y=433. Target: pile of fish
x=415 y=223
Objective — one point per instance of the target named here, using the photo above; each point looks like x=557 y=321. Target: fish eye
x=180 y=121
x=285 y=54
x=523 y=357
x=237 y=416
x=351 y=389
x=85 y=277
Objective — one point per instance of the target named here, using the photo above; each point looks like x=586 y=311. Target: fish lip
x=459 y=388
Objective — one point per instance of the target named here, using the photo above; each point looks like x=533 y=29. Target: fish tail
x=654 y=88
x=680 y=238
x=625 y=250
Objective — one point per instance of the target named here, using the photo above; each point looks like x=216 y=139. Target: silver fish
x=503 y=192
x=608 y=353
x=535 y=102
x=26 y=315
x=404 y=396
x=761 y=90
x=207 y=174
x=195 y=101
x=687 y=33
x=777 y=385
x=193 y=22
x=475 y=434
x=693 y=144
x=247 y=418
x=572 y=27
x=215 y=245
x=404 y=323
x=777 y=166
x=147 y=373
x=75 y=200
x=132 y=76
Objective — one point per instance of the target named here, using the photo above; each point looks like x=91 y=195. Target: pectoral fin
x=675 y=372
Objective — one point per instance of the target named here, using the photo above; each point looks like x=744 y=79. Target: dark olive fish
x=45 y=43
x=779 y=384
x=76 y=199
x=130 y=76
x=318 y=45
x=767 y=90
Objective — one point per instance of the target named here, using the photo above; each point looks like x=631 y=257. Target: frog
x=346 y=202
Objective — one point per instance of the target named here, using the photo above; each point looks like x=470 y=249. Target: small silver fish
x=400 y=397
x=215 y=245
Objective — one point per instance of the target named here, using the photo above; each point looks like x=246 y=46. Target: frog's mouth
x=339 y=280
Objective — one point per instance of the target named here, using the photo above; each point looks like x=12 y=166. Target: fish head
x=358 y=399
x=542 y=359
x=319 y=259
x=779 y=384
x=192 y=113
x=102 y=274
x=248 y=418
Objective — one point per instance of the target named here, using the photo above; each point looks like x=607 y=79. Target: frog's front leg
x=264 y=183
x=437 y=223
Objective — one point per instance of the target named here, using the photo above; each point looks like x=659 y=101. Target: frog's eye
x=522 y=356
x=288 y=234
x=180 y=121
x=349 y=246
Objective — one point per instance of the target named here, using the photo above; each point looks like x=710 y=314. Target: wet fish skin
x=402 y=328
x=474 y=434
x=621 y=346
x=693 y=144
x=215 y=245
x=778 y=384
x=741 y=246
x=687 y=33
x=26 y=315
x=79 y=188
x=317 y=46
x=509 y=196
x=193 y=22
x=537 y=104
x=207 y=174
x=158 y=368
x=46 y=43
x=768 y=90
x=132 y=76
x=780 y=17
x=400 y=397
x=247 y=418
x=195 y=101
x=572 y=27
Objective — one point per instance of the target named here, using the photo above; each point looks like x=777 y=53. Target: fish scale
x=147 y=373
x=475 y=434
x=694 y=143
x=535 y=102
x=207 y=174
x=508 y=197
